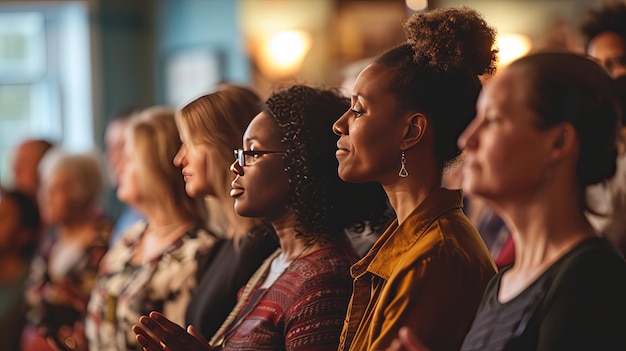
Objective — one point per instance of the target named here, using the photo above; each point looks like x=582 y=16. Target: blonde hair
x=217 y=122
x=153 y=142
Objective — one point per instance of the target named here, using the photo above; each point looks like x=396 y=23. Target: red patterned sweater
x=303 y=310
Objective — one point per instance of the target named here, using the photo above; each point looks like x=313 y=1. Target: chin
x=346 y=175
x=241 y=209
x=191 y=191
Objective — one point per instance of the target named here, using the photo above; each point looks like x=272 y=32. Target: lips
x=186 y=176
x=341 y=151
x=236 y=190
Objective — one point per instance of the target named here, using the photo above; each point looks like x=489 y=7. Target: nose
x=178 y=158
x=467 y=139
x=236 y=168
x=340 y=127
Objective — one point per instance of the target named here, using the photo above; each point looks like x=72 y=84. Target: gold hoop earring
x=403 y=172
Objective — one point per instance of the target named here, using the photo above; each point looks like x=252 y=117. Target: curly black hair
x=436 y=71
x=609 y=18
x=324 y=205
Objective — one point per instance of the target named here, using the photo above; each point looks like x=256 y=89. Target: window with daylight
x=45 y=77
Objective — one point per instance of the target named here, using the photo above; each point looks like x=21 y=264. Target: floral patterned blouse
x=125 y=291
x=56 y=294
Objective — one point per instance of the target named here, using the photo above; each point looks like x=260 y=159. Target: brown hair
x=568 y=87
x=153 y=142
x=217 y=122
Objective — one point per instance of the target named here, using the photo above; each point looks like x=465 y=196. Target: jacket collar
x=397 y=240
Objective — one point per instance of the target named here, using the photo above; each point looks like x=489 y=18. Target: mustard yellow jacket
x=428 y=273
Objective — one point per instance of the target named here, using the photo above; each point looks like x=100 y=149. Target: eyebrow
x=356 y=95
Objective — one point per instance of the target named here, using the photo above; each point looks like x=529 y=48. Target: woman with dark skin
x=285 y=173
x=430 y=267
x=604 y=30
x=531 y=151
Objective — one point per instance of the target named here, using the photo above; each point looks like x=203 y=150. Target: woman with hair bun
x=429 y=269
x=531 y=151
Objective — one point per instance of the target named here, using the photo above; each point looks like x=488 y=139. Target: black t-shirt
x=578 y=303
x=224 y=272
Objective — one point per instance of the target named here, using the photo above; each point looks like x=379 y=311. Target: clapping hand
x=165 y=335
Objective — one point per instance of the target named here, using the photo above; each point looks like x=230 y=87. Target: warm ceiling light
x=417 y=5
x=511 y=47
x=281 y=54
x=288 y=47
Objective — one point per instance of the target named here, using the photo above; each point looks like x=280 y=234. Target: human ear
x=417 y=124
x=563 y=142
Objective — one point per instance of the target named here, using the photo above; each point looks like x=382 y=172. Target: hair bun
x=452 y=39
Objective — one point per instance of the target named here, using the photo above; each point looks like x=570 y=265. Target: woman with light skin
x=153 y=266
x=210 y=127
x=285 y=173
x=428 y=270
x=545 y=129
x=66 y=264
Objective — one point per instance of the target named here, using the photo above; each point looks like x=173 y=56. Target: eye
x=488 y=120
x=356 y=112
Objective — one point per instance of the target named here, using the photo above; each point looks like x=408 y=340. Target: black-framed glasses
x=249 y=157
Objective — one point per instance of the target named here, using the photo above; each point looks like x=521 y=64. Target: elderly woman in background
x=64 y=270
x=154 y=264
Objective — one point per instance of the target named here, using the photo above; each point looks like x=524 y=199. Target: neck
x=77 y=229
x=161 y=218
x=291 y=246
x=405 y=194
x=544 y=227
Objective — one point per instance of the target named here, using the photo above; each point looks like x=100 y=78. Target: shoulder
x=331 y=260
x=324 y=267
x=200 y=238
x=592 y=265
x=453 y=239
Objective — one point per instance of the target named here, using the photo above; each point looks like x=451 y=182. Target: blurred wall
x=184 y=26
x=136 y=40
x=123 y=56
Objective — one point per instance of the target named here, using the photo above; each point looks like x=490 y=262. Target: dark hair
x=620 y=87
x=608 y=18
x=29 y=218
x=323 y=204
x=436 y=71
x=567 y=87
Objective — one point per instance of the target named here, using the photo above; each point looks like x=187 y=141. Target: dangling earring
x=403 y=172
